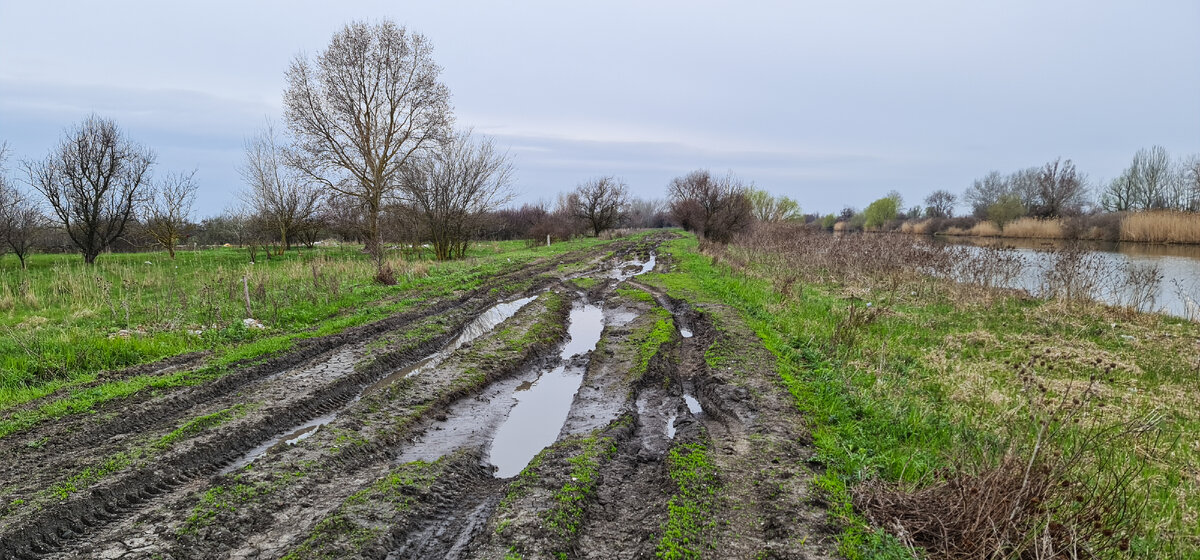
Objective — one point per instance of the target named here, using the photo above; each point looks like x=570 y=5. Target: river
x=1177 y=294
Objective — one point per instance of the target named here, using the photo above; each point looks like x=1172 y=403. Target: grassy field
x=64 y=324
x=937 y=408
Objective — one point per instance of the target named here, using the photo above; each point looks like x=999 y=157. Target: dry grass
x=1161 y=227
x=982 y=229
x=1035 y=229
x=919 y=228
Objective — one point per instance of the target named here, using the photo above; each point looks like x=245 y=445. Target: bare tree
x=986 y=192
x=281 y=196
x=600 y=202
x=1144 y=185
x=94 y=181
x=769 y=208
x=167 y=209
x=1151 y=169
x=646 y=213
x=1060 y=190
x=716 y=208
x=452 y=188
x=940 y=204
x=21 y=221
x=1189 y=180
x=367 y=105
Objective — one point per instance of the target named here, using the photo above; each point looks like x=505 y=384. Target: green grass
x=388 y=497
x=690 y=511
x=201 y=423
x=650 y=339
x=566 y=515
x=59 y=339
x=927 y=383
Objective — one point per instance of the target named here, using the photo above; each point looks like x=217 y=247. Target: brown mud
x=404 y=438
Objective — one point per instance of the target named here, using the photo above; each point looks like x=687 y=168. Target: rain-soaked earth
x=570 y=409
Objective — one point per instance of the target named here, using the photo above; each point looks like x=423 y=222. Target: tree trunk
x=374 y=241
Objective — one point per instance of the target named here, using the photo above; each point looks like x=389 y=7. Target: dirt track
x=401 y=439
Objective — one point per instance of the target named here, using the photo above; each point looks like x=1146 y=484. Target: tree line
x=368 y=152
x=1154 y=180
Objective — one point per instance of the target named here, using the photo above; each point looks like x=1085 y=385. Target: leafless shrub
x=1139 y=286
x=987 y=267
x=1072 y=274
x=386 y=275
x=1188 y=294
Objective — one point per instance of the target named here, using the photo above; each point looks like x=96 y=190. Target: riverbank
x=921 y=391
x=1162 y=227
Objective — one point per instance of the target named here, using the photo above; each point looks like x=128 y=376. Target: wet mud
x=493 y=424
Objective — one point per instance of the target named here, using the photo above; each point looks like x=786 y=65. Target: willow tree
x=362 y=110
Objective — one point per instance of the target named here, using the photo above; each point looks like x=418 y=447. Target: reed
x=1035 y=228
x=918 y=228
x=1161 y=227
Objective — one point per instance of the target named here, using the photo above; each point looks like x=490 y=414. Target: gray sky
x=831 y=103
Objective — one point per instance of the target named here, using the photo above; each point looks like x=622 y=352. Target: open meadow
x=668 y=397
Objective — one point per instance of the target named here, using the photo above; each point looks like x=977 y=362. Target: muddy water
x=629 y=269
x=1177 y=295
x=516 y=418
x=485 y=323
x=481 y=325
x=538 y=415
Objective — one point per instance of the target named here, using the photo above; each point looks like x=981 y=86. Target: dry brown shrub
x=1061 y=490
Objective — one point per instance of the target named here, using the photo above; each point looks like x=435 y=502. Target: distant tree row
x=1057 y=189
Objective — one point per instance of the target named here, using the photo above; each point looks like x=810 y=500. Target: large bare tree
x=985 y=191
x=282 y=197
x=715 y=207
x=363 y=109
x=168 y=208
x=1061 y=190
x=940 y=204
x=600 y=202
x=451 y=189
x=95 y=180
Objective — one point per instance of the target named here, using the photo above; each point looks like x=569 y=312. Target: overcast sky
x=831 y=103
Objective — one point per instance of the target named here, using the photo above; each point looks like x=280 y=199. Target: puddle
x=540 y=411
x=296 y=435
x=671 y=426
x=468 y=423
x=685 y=333
x=483 y=324
x=693 y=404
x=621 y=317
x=629 y=269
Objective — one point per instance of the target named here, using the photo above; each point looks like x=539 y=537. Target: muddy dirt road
x=567 y=410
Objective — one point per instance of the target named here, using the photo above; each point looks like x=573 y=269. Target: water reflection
x=1179 y=264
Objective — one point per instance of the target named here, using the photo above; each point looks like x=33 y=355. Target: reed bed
x=1161 y=227
x=1034 y=228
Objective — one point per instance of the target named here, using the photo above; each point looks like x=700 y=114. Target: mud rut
x=400 y=466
